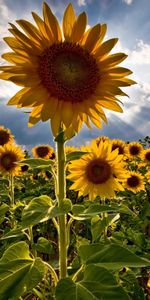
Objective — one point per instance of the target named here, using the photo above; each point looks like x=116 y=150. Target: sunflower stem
x=12 y=199
x=61 y=194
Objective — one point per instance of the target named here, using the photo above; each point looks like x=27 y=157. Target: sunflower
x=10 y=155
x=134 y=182
x=98 y=173
x=68 y=75
x=69 y=149
x=134 y=150
x=43 y=151
x=146 y=155
x=24 y=168
x=102 y=138
x=147 y=175
x=120 y=145
x=5 y=136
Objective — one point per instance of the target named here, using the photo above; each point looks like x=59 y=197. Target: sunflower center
x=8 y=161
x=24 y=168
x=42 y=151
x=133 y=181
x=98 y=171
x=69 y=72
x=147 y=156
x=4 y=138
x=134 y=150
x=119 y=147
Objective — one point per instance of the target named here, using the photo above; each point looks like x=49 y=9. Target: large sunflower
x=10 y=155
x=98 y=173
x=5 y=136
x=134 y=182
x=43 y=151
x=67 y=77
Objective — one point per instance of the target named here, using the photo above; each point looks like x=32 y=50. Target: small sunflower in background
x=146 y=155
x=102 y=138
x=120 y=145
x=10 y=155
x=24 y=168
x=43 y=151
x=69 y=149
x=5 y=136
x=134 y=150
x=98 y=173
x=68 y=75
x=134 y=182
x=147 y=176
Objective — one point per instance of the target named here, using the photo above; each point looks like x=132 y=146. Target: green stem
x=104 y=215
x=54 y=275
x=61 y=194
x=12 y=199
x=11 y=187
x=32 y=241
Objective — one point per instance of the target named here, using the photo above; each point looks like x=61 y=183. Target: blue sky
x=126 y=19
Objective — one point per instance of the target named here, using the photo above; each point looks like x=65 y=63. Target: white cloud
x=81 y=2
x=141 y=55
x=128 y=2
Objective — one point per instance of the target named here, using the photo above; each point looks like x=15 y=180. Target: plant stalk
x=61 y=194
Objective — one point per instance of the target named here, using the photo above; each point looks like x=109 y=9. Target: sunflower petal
x=92 y=37
x=105 y=48
x=110 y=104
x=112 y=60
x=30 y=30
x=79 y=28
x=52 y=22
x=68 y=21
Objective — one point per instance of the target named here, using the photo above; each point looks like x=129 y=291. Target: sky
x=127 y=20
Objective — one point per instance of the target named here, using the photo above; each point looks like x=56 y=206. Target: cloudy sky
x=126 y=19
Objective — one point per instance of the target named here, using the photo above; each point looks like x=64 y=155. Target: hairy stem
x=61 y=194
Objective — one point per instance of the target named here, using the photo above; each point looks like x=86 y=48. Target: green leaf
x=37 y=162
x=98 y=224
x=3 y=209
x=111 y=256
x=14 y=233
x=74 y=155
x=80 y=212
x=97 y=284
x=19 y=273
x=40 y=209
x=43 y=246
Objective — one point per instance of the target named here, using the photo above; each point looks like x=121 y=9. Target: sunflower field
x=74 y=221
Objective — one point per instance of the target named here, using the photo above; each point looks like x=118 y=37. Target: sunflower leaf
x=37 y=162
x=19 y=273
x=75 y=155
x=97 y=284
x=111 y=256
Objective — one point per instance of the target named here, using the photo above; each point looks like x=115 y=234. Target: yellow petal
x=68 y=21
x=112 y=60
x=79 y=28
x=30 y=30
x=25 y=80
x=40 y=24
x=67 y=113
x=102 y=35
x=123 y=82
x=14 y=58
x=92 y=37
x=15 y=99
x=49 y=109
x=52 y=22
x=119 y=72
x=33 y=97
x=105 y=48
x=110 y=104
